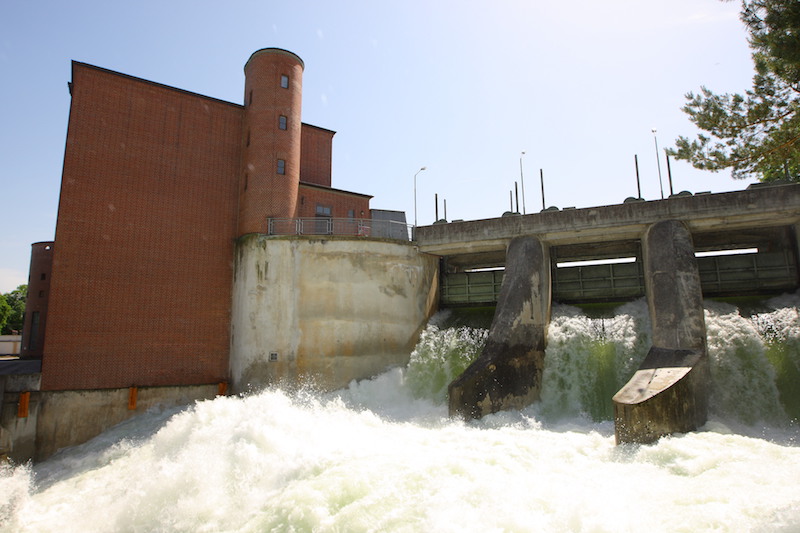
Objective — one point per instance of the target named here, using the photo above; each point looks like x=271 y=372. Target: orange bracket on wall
x=24 y=402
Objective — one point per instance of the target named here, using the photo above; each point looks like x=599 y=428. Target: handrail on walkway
x=361 y=227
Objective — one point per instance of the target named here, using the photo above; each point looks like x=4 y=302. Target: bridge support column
x=669 y=392
x=507 y=374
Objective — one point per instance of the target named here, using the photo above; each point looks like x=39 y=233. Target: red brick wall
x=142 y=274
x=339 y=201
x=316 y=155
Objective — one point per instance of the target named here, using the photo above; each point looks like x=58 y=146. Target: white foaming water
x=382 y=455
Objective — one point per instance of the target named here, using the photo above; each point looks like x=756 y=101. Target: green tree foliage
x=16 y=302
x=758 y=133
x=5 y=311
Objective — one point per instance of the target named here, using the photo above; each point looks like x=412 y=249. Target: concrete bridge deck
x=483 y=242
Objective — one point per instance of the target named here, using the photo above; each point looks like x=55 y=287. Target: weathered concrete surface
x=59 y=419
x=669 y=392
x=664 y=396
x=507 y=374
x=68 y=418
x=18 y=434
x=330 y=309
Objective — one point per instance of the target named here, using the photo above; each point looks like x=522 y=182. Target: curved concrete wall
x=329 y=310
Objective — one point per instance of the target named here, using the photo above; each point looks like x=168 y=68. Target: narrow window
x=44 y=276
x=284 y=81
x=41 y=294
x=246 y=177
x=281 y=166
x=282 y=122
x=34 y=330
x=250 y=99
x=351 y=213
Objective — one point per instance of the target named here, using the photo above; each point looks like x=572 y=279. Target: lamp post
x=522 y=182
x=415 y=195
x=658 y=162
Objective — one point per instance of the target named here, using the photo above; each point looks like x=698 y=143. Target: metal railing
x=360 y=227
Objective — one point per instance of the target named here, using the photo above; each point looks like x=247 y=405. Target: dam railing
x=360 y=227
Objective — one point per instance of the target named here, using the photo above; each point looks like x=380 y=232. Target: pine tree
x=756 y=134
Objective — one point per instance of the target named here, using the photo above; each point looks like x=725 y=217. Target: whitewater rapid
x=382 y=455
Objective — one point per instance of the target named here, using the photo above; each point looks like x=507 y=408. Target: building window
x=44 y=276
x=282 y=122
x=281 y=166
x=250 y=99
x=351 y=213
x=284 y=81
x=324 y=210
x=32 y=345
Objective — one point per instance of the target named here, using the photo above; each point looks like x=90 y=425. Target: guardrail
x=361 y=227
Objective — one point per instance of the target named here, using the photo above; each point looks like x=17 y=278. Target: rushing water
x=382 y=455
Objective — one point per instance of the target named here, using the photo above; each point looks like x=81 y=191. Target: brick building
x=158 y=184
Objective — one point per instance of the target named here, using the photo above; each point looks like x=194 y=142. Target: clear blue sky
x=459 y=86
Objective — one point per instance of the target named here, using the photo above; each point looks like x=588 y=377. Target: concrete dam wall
x=326 y=310
x=669 y=392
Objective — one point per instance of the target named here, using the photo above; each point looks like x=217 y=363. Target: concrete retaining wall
x=326 y=310
x=51 y=420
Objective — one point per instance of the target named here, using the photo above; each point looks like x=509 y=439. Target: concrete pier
x=669 y=392
x=507 y=374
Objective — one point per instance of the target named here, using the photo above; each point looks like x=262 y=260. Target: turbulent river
x=382 y=455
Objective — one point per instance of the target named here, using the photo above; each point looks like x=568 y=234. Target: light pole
x=415 y=195
x=658 y=162
x=522 y=181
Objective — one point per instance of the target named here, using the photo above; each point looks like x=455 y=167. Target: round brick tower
x=38 y=298
x=271 y=159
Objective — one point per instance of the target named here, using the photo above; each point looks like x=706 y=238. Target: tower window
x=282 y=122
x=34 y=331
x=284 y=81
x=281 y=166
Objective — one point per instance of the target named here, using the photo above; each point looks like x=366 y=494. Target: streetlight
x=658 y=162
x=415 y=195
x=522 y=181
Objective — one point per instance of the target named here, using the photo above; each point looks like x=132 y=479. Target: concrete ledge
x=664 y=396
x=34 y=425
